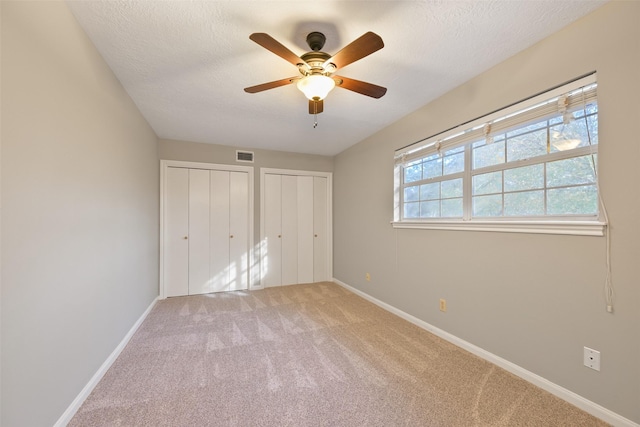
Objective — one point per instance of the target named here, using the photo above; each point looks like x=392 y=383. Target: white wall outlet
x=443 y=304
x=592 y=358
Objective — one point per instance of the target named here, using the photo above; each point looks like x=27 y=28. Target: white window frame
x=468 y=133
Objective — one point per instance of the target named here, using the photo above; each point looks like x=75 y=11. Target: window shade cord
x=608 y=285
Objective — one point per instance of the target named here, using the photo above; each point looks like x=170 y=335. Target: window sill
x=575 y=228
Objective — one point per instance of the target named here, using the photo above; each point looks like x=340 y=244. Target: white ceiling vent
x=244 y=156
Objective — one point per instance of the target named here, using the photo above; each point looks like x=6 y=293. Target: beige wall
x=534 y=300
x=221 y=154
x=80 y=180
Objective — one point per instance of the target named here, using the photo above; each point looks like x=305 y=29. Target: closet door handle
x=279 y=236
x=231 y=236
x=315 y=235
x=185 y=237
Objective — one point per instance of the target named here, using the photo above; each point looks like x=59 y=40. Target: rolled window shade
x=541 y=107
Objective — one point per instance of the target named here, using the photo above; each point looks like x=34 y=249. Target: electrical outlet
x=368 y=277
x=443 y=304
x=592 y=358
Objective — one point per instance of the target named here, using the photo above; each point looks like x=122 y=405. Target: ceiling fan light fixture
x=562 y=142
x=316 y=86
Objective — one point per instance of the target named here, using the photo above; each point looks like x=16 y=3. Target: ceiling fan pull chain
x=315 y=113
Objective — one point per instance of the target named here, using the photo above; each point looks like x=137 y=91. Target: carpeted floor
x=306 y=355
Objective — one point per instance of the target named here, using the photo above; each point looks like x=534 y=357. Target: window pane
x=527 y=203
x=487 y=205
x=430 y=209
x=527 y=146
x=453 y=163
x=488 y=155
x=432 y=168
x=430 y=191
x=452 y=188
x=413 y=173
x=574 y=171
x=591 y=108
x=573 y=200
x=565 y=137
x=411 y=194
x=592 y=125
x=555 y=120
x=452 y=208
x=528 y=128
x=411 y=210
x=524 y=178
x=487 y=183
x=454 y=150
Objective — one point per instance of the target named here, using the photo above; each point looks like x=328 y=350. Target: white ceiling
x=185 y=63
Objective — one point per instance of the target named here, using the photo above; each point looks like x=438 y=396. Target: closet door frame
x=164 y=165
x=329 y=216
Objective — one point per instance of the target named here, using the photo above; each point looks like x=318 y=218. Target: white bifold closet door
x=272 y=249
x=176 y=232
x=229 y=251
x=320 y=229
x=206 y=231
x=199 y=232
x=305 y=230
x=295 y=210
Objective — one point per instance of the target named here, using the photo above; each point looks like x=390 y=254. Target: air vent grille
x=244 y=156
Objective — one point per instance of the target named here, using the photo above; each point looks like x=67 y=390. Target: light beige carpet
x=306 y=355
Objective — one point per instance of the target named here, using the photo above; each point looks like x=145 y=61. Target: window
x=531 y=167
x=433 y=185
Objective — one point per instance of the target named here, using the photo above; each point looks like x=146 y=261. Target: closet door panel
x=198 y=231
x=320 y=240
x=219 y=235
x=239 y=231
x=289 y=229
x=176 y=232
x=272 y=244
x=305 y=229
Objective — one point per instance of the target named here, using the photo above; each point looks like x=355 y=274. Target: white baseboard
x=93 y=382
x=561 y=392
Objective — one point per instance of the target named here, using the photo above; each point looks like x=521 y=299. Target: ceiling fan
x=316 y=68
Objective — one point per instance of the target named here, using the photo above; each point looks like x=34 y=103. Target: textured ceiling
x=185 y=63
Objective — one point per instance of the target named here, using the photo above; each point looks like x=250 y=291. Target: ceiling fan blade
x=357 y=49
x=271 y=44
x=361 y=87
x=316 y=107
x=271 y=85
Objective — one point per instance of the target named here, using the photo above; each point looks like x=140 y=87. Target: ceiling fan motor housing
x=315 y=60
